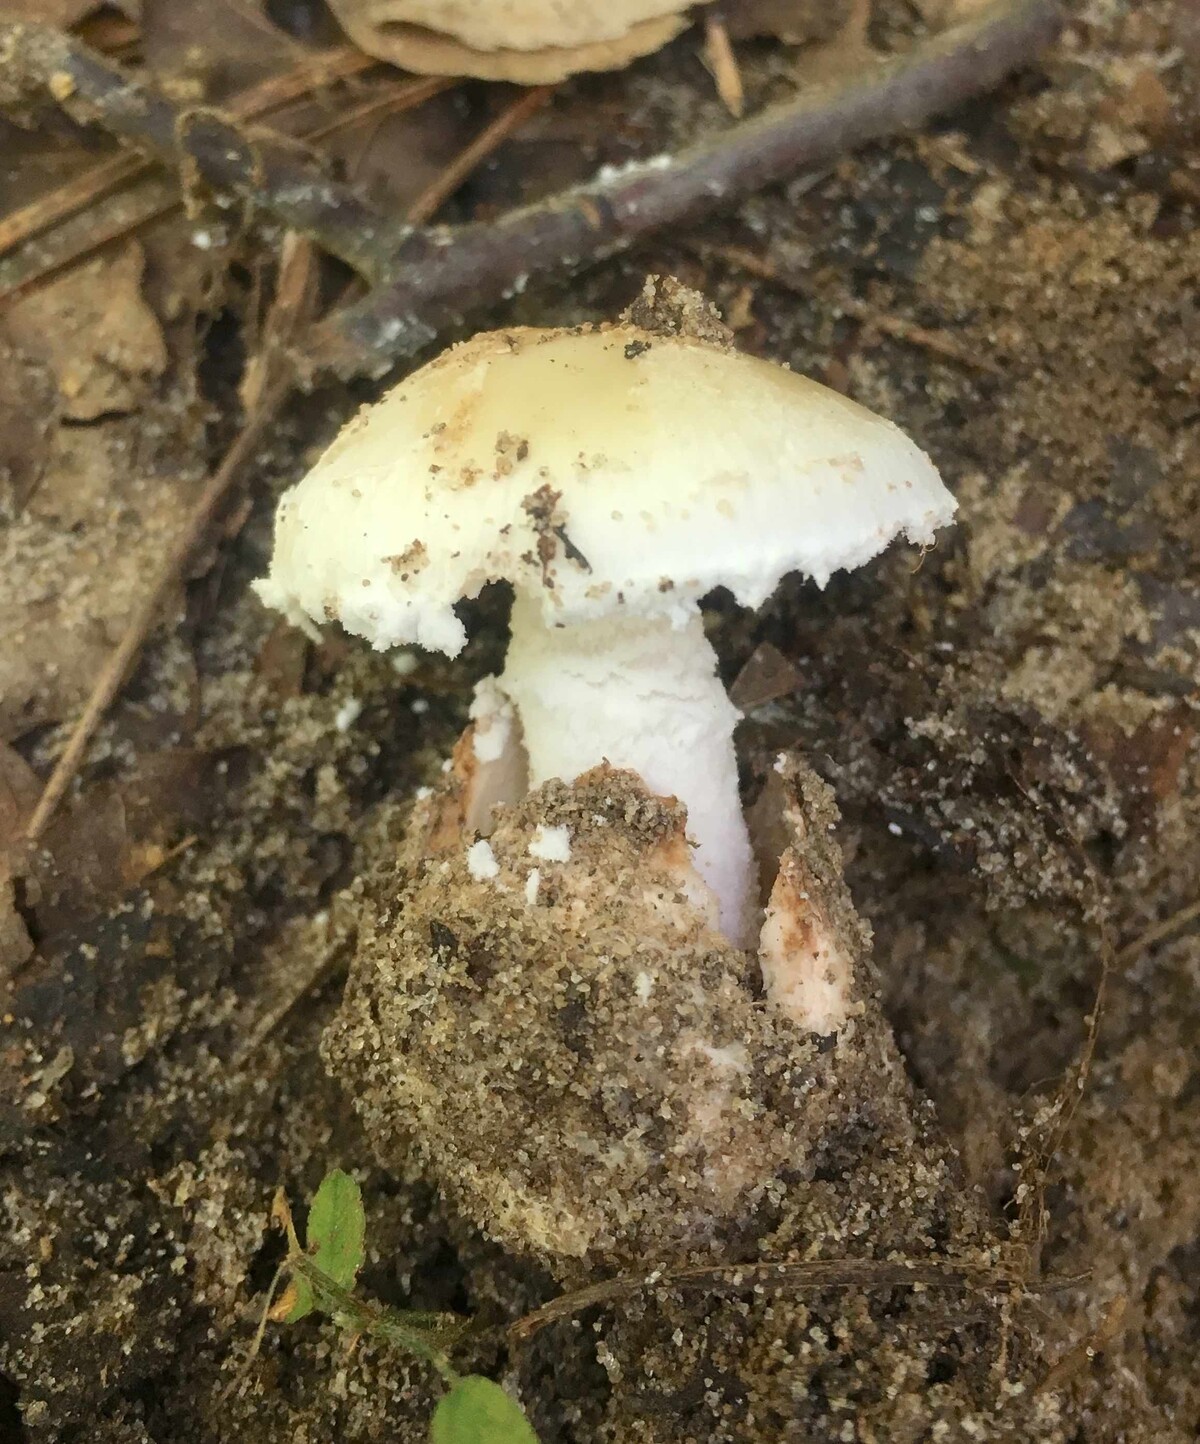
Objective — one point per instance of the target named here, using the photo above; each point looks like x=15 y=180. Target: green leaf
x=337 y=1228
x=476 y=1411
x=336 y=1233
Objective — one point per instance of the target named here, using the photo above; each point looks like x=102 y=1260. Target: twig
x=1079 y=1356
x=115 y=670
x=763 y=269
x=327 y=67
x=81 y=190
x=443 y=186
x=438 y=275
x=718 y=52
x=803 y=1274
x=444 y=273
x=152 y=193
x=393 y=100
x=1033 y=1215
x=1177 y=921
x=72 y=240
x=266 y=387
x=269 y=379
x=260 y=167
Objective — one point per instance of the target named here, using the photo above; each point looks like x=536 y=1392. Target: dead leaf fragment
x=19 y=790
x=75 y=563
x=16 y=946
x=767 y=676
x=195 y=56
x=27 y=413
x=847 y=52
x=94 y=331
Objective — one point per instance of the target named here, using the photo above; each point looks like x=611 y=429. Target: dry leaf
x=19 y=789
x=394 y=159
x=27 y=414
x=114 y=836
x=531 y=43
x=767 y=676
x=75 y=564
x=282 y=660
x=209 y=51
x=848 y=52
x=16 y=946
x=96 y=334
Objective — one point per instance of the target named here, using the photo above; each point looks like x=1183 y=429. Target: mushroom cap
x=517 y=24
x=426 y=51
x=595 y=468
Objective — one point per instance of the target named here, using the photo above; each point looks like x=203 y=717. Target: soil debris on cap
x=666 y=307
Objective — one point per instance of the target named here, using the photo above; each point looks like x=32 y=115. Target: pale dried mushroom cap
x=523 y=24
x=599 y=469
x=532 y=42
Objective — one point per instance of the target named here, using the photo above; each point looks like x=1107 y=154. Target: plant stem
x=358 y=1316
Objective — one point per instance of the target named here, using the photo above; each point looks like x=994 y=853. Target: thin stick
x=443 y=274
x=1175 y=923
x=897 y=327
x=392 y=101
x=73 y=195
x=81 y=190
x=121 y=213
x=718 y=51
x=152 y=196
x=260 y=167
x=443 y=186
x=266 y=386
x=118 y=665
x=803 y=1274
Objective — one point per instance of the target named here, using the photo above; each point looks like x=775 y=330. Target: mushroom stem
x=640 y=693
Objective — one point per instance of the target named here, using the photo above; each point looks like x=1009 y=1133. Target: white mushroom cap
x=602 y=468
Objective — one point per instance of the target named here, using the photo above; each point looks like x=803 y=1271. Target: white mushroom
x=614 y=475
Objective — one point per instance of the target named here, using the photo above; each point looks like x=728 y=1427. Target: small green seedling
x=337 y=1229
x=321 y=1277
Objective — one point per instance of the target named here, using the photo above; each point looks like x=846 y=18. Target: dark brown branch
x=255 y=165
x=441 y=275
x=84 y=189
x=427 y=281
